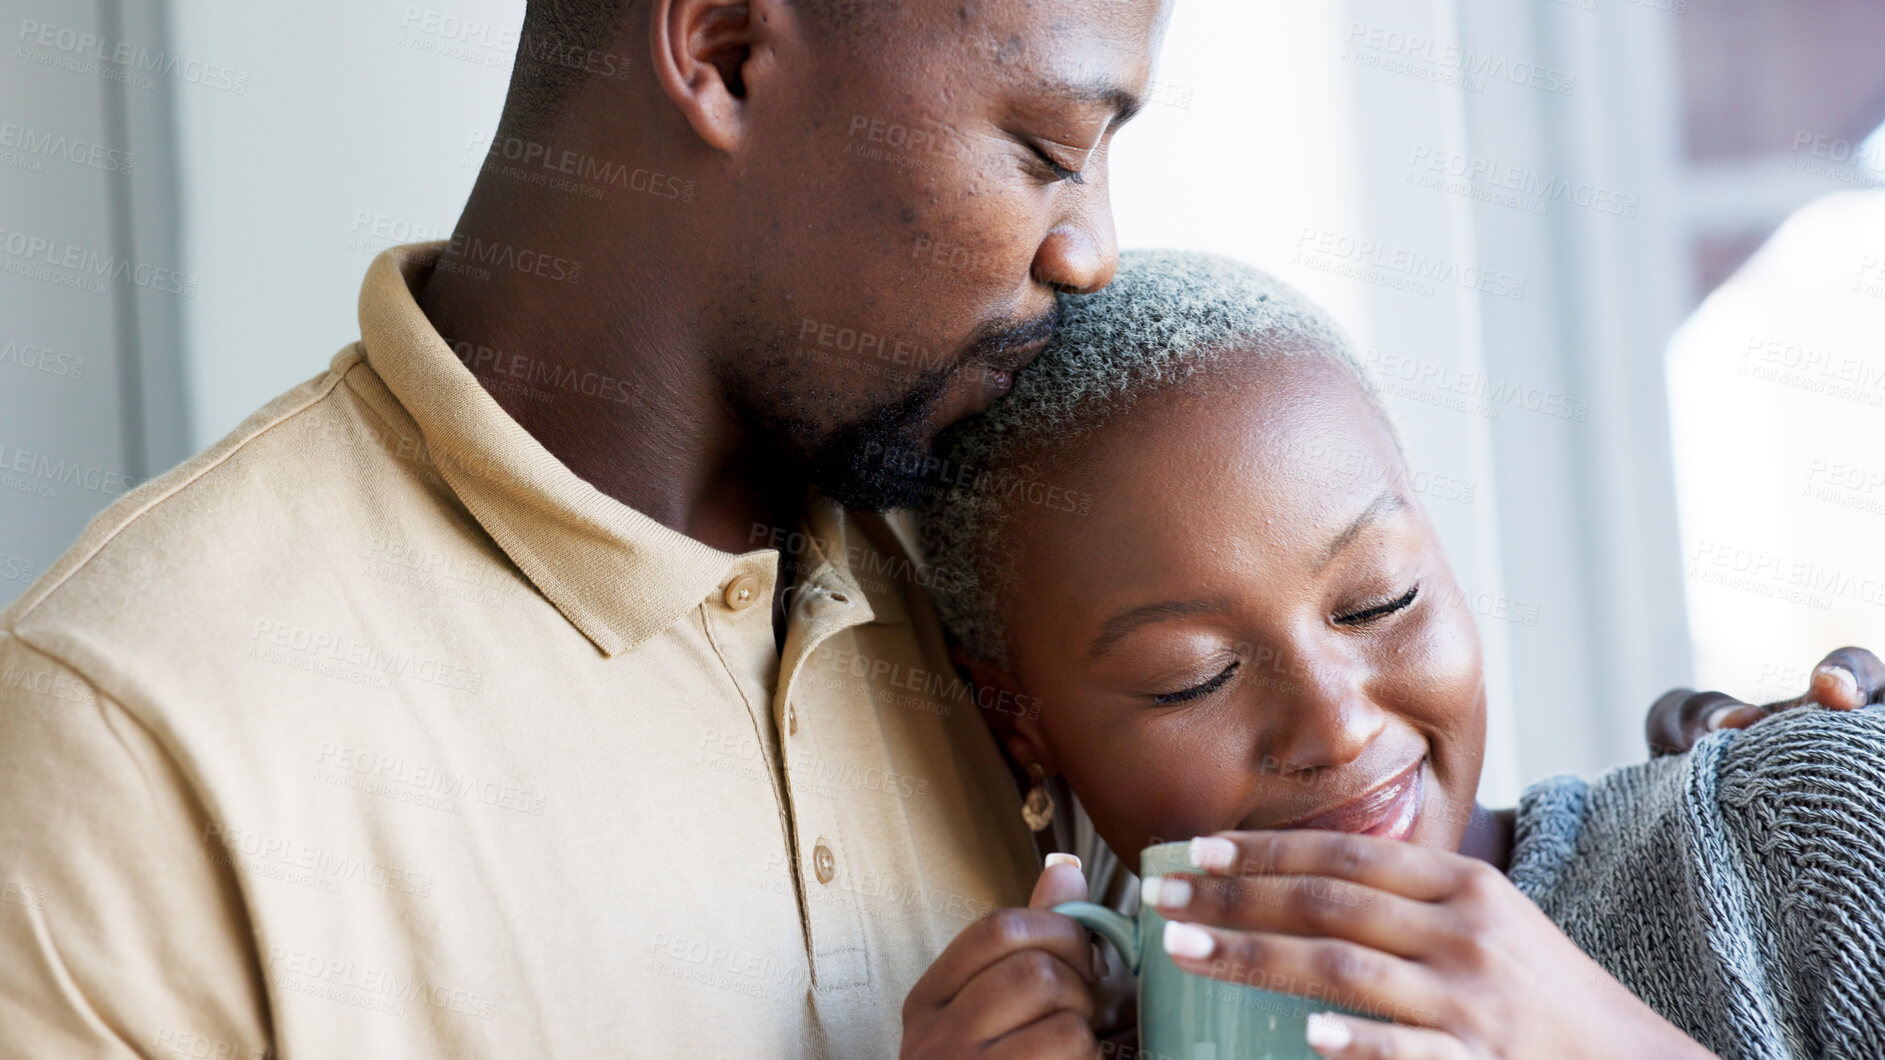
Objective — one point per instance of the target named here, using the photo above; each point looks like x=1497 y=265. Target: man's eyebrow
x=1125 y=622
x=1390 y=500
x=1124 y=105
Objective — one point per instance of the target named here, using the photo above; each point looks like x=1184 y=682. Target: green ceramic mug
x=1188 y=1017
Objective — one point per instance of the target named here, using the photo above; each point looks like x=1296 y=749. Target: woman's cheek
x=1151 y=796
x=1445 y=689
x=1443 y=667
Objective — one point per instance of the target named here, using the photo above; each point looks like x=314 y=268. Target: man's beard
x=873 y=463
x=879 y=462
x=883 y=459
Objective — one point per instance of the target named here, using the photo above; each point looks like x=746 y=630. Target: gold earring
x=1038 y=808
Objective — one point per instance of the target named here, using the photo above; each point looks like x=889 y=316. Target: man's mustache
x=1007 y=347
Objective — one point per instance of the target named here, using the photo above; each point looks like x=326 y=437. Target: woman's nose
x=1328 y=721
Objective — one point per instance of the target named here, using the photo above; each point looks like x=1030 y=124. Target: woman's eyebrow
x=1126 y=621
x=1390 y=500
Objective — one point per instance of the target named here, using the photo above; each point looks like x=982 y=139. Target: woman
x=1247 y=632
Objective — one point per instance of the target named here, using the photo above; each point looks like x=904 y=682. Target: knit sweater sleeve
x=1803 y=798
x=1733 y=889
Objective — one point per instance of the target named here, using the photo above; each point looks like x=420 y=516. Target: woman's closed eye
x=1197 y=691
x=1378 y=611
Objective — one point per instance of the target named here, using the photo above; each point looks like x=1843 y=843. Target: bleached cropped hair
x=1169 y=319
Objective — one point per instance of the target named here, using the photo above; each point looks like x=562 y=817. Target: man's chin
x=887 y=460
x=876 y=476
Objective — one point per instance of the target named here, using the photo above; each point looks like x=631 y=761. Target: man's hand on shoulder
x=1846 y=679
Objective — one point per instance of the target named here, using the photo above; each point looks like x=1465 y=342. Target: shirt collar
x=617 y=575
x=859 y=554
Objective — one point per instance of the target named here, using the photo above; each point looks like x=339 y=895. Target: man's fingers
x=1020 y=989
x=1663 y=727
x=1315 y=906
x=1347 y=1038
x=994 y=937
x=1847 y=679
x=1732 y=714
x=1682 y=717
x=1061 y=1036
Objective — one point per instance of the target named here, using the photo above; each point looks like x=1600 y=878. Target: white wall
x=356 y=108
x=89 y=284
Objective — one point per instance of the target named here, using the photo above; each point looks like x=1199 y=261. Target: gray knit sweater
x=1738 y=889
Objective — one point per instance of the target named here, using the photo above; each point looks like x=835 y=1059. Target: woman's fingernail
x=1163 y=891
x=1326 y=1032
x=1062 y=859
x=1716 y=719
x=1848 y=684
x=1212 y=852
x=1188 y=940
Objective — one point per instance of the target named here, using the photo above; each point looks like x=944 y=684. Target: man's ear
x=706 y=53
x=1012 y=713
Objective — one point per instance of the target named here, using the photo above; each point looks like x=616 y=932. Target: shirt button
x=742 y=592
x=824 y=864
x=791 y=721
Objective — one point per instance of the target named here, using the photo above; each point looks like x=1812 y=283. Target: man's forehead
x=1075 y=74
x=1061 y=38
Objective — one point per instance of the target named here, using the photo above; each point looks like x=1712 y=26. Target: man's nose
x=1080 y=254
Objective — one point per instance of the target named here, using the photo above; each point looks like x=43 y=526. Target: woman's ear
x=1013 y=714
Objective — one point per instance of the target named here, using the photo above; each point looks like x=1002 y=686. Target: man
x=522 y=686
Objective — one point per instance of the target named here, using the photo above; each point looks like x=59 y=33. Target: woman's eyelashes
x=1363 y=617
x=1378 y=611
x=1197 y=691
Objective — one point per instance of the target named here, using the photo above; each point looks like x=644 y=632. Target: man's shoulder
x=1810 y=753
x=235 y=524
x=1803 y=796
x=1809 y=779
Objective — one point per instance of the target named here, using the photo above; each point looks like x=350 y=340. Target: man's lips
x=997 y=376
x=1389 y=809
x=1015 y=358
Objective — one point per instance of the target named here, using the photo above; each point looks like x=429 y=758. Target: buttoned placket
x=827 y=603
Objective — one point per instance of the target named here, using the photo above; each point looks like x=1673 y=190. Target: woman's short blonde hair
x=1169 y=319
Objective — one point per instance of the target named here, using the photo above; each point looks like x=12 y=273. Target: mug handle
x=1120 y=930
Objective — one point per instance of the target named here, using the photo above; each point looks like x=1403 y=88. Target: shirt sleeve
x=121 y=935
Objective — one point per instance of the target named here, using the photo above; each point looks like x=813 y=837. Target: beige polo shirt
x=373 y=731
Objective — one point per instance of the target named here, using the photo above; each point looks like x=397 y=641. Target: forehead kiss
x=945 y=182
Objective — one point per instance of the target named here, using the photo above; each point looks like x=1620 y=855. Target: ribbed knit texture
x=1739 y=889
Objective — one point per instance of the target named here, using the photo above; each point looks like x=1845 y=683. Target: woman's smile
x=1390 y=809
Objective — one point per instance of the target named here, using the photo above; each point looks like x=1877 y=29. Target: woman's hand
x=1443 y=945
x=1847 y=679
x=1016 y=983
